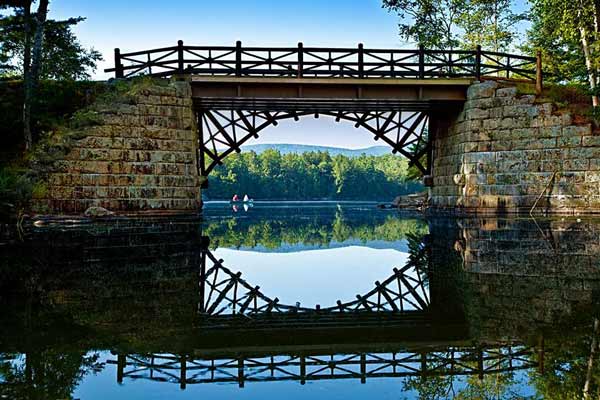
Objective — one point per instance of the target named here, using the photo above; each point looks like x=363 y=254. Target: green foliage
x=63 y=57
x=431 y=23
x=449 y=24
x=311 y=175
x=490 y=24
x=16 y=188
x=273 y=233
x=55 y=105
x=555 y=32
x=47 y=374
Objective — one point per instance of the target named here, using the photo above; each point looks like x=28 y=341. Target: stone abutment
x=511 y=153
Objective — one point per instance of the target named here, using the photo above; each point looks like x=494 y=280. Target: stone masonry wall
x=504 y=150
x=141 y=156
x=524 y=276
x=521 y=276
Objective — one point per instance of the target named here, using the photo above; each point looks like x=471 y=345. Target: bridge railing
x=300 y=61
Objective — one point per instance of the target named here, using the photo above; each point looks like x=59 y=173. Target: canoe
x=241 y=202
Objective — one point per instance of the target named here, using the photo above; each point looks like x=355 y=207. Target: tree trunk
x=590 y=364
x=32 y=77
x=27 y=49
x=592 y=76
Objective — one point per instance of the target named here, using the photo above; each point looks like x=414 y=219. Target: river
x=290 y=300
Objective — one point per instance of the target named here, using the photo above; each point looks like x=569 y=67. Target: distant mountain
x=303 y=148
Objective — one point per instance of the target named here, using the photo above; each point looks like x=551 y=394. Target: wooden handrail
x=301 y=61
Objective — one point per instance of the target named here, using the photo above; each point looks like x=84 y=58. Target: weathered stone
x=476 y=113
x=482 y=90
x=142 y=156
x=510 y=149
x=577 y=130
x=506 y=92
x=591 y=141
x=97 y=212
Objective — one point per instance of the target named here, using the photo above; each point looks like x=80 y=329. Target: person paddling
x=235 y=198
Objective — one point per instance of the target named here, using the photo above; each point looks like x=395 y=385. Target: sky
x=137 y=25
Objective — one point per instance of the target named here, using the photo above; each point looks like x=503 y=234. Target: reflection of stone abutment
x=523 y=274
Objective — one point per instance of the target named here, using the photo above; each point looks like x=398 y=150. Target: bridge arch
x=223 y=132
x=224 y=293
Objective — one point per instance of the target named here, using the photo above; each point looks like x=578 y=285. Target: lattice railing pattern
x=427 y=362
x=300 y=61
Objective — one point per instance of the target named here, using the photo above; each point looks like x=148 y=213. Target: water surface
x=320 y=301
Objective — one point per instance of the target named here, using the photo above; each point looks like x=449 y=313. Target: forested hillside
x=286 y=148
x=311 y=176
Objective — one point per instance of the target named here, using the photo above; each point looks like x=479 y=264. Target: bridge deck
x=327 y=94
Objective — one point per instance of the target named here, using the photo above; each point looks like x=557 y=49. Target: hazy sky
x=136 y=25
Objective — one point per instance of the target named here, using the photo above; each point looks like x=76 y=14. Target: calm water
x=318 y=301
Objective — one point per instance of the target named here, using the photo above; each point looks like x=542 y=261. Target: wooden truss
x=223 y=132
x=223 y=293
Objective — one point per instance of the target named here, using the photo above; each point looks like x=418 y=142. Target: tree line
x=311 y=175
x=33 y=48
x=567 y=33
x=277 y=230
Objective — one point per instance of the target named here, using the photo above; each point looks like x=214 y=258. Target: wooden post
x=118 y=65
x=541 y=355
x=202 y=305
x=182 y=372
x=478 y=63
x=241 y=372
x=539 y=84
x=238 y=58
x=480 y=365
x=300 y=59
x=363 y=368
x=421 y=61
x=121 y=363
x=361 y=61
x=180 y=56
x=302 y=370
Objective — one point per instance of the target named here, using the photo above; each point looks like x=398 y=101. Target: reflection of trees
x=45 y=374
x=273 y=233
x=504 y=385
x=566 y=367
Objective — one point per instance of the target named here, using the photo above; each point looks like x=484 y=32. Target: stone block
x=577 y=130
x=549 y=131
x=482 y=90
x=519 y=111
x=524 y=133
x=506 y=92
x=569 y=141
x=589 y=141
x=592 y=176
x=476 y=113
x=526 y=99
x=576 y=164
x=507 y=179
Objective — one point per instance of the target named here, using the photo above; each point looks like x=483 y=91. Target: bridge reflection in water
x=301 y=366
x=477 y=300
x=400 y=303
x=225 y=292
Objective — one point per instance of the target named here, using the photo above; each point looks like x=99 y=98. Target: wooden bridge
x=401 y=96
x=392 y=361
